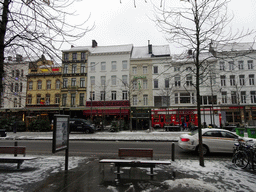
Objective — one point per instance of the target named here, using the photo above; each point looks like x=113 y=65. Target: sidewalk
x=100 y=136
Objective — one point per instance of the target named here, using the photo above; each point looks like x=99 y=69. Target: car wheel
x=87 y=131
x=205 y=150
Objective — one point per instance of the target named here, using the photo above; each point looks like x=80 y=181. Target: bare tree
x=36 y=27
x=194 y=25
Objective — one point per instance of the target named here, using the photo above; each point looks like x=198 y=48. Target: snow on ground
x=30 y=172
x=215 y=176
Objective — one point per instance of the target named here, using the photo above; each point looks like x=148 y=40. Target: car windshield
x=194 y=132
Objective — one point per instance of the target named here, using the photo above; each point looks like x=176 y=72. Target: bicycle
x=240 y=155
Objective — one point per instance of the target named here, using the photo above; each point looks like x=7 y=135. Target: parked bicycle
x=244 y=154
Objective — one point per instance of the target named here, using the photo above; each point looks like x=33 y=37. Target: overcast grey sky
x=121 y=23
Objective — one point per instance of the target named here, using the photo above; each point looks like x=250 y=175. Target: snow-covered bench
x=15 y=151
x=135 y=152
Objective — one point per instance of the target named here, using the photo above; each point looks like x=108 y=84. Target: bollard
x=173 y=151
x=15 y=150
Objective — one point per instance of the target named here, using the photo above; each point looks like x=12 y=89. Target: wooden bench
x=15 y=150
x=135 y=152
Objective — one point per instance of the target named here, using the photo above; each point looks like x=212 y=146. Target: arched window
x=57 y=84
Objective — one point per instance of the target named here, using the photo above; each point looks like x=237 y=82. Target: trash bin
x=240 y=132
x=251 y=132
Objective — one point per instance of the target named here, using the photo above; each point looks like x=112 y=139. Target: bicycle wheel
x=241 y=159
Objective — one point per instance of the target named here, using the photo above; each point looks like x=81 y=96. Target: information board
x=60 y=133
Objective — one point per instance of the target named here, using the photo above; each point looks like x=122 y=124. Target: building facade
x=14 y=83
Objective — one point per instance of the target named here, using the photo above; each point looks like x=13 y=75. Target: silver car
x=214 y=140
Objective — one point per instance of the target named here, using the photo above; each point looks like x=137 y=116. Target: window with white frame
x=145 y=69
x=250 y=64
x=166 y=83
x=57 y=98
x=92 y=79
x=29 y=99
x=65 y=56
x=222 y=65
x=39 y=84
x=224 y=96
x=243 y=96
x=251 y=79
x=155 y=69
x=30 y=85
x=124 y=64
x=145 y=100
x=134 y=100
x=145 y=83
x=125 y=95
x=103 y=66
x=82 y=68
x=47 y=99
x=65 y=82
x=81 y=99
x=48 y=84
x=57 y=84
x=232 y=80
x=189 y=80
x=92 y=95
x=177 y=81
x=241 y=80
x=253 y=96
x=185 y=98
x=113 y=95
x=82 y=82
x=102 y=95
x=15 y=102
x=92 y=66
x=124 y=79
x=156 y=83
x=113 y=65
x=74 y=56
x=103 y=80
x=113 y=80
x=38 y=99
x=231 y=65
x=73 y=82
x=73 y=99
x=74 y=67
x=65 y=69
x=223 y=80
x=176 y=68
x=82 y=55
x=176 y=98
x=134 y=70
x=64 y=99
x=233 y=97
x=134 y=85
x=240 y=65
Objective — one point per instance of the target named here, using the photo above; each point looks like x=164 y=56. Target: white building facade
x=15 y=83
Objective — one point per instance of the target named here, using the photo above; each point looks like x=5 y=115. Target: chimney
x=149 y=47
x=94 y=43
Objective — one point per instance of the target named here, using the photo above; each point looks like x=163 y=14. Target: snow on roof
x=235 y=47
x=102 y=49
x=157 y=50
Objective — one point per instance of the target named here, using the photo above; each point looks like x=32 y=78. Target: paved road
x=106 y=149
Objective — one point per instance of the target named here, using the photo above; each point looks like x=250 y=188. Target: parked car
x=214 y=140
x=81 y=125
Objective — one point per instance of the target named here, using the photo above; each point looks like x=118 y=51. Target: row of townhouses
x=145 y=85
